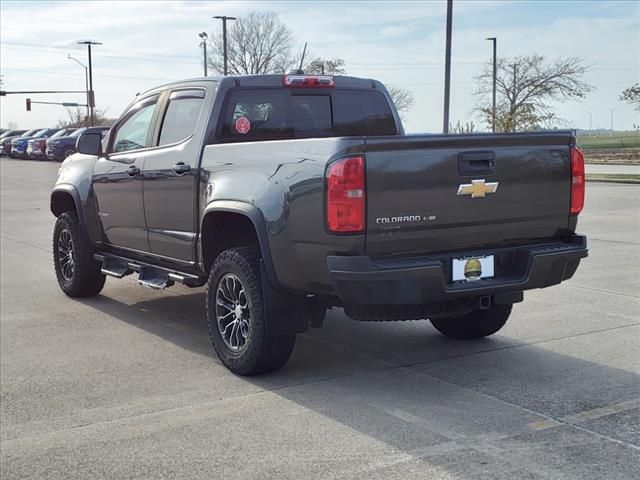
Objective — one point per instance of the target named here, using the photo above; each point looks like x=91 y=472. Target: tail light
x=316 y=81
x=577 y=180
x=346 y=195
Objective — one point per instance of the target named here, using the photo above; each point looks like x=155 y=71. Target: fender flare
x=255 y=216
x=71 y=190
x=286 y=313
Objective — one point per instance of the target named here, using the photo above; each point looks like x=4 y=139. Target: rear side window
x=362 y=113
x=181 y=116
x=270 y=114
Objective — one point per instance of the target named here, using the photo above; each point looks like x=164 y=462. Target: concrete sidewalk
x=613 y=169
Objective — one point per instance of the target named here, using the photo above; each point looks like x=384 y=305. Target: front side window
x=182 y=115
x=132 y=133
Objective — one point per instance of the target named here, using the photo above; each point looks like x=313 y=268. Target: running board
x=150 y=276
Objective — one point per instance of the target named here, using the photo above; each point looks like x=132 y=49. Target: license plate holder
x=473 y=268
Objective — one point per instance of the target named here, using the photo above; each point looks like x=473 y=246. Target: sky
x=148 y=43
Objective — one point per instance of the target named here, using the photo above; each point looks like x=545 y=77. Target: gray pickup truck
x=288 y=195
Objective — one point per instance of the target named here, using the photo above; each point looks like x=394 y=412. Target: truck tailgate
x=425 y=193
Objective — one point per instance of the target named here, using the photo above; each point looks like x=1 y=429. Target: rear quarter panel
x=284 y=180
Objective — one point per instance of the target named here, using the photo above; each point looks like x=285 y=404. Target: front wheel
x=79 y=275
x=476 y=324
x=68 y=152
x=236 y=315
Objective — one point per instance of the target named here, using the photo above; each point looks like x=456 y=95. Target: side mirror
x=90 y=143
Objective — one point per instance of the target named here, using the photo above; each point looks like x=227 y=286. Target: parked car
x=290 y=195
x=36 y=146
x=59 y=148
x=7 y=137
x=19 y=145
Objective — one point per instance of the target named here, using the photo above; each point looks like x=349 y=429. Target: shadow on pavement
x=468 y=405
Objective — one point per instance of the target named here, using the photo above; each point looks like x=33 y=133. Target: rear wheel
x=476 y=324
x=236 y=316
x=78 y=273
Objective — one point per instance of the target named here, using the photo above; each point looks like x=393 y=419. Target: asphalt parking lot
x=126 y=385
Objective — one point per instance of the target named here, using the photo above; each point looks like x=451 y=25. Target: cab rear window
x=270 y=114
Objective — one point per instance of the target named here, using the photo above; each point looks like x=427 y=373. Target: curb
x=614 y=180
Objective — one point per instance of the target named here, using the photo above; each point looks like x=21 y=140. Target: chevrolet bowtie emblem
x=477 y=188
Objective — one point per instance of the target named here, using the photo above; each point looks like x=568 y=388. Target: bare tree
x=402 y=98
x=12 y=125
x=526 y=86
x=256 y=44
x=459 y=128
x=631 y=95
x=325 y=66
x=78 y=118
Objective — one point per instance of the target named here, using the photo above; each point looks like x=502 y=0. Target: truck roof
x=341 y=81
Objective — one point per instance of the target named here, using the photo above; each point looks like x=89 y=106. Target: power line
x=67 y=47
x=117 y=57
x=101 y=75
x=182 y=59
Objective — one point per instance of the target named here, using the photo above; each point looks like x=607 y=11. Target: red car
x=36 y=147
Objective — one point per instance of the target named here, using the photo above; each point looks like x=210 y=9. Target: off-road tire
x=476 y=324
x=86 y=279
x=260 y=353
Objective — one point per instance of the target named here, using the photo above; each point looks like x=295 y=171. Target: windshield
x=78 y=132
x=60 y=133
x=40 y=133
x=29 y=132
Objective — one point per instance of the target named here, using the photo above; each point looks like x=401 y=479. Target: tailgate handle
x=476 y=163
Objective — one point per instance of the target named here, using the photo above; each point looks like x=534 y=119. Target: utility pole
x=495 y=75
x=613 y=110
x=86 y=80
x=224 y=19
x=92 y=98
x=203 y=44
x=447 y=68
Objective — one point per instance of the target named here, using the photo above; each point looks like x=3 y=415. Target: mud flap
x=285 y=313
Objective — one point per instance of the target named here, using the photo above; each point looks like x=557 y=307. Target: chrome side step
x=150 y=276
x=114 y=268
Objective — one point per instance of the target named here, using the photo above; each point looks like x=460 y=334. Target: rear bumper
x=360 y=280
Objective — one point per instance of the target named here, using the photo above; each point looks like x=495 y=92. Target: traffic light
x=28 y=104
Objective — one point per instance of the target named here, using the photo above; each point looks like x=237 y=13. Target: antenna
x=304 y=51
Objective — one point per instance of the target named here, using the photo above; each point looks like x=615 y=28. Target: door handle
x=477 y=163
x=133 y=171
x=181 y=167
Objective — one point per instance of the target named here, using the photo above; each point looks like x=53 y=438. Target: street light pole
x=204 y=36
x=86 y=81
x=613 y=110
x=447 y=68
x=224 y=19
x=92 y=99
x=495 y=75
x=590 y=121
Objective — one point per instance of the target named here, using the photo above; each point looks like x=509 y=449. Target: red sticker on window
x=243 y=125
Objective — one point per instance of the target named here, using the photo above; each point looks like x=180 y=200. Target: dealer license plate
x=470 y=269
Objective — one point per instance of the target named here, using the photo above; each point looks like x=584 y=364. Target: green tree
x=631 y=95
x=526 y=88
